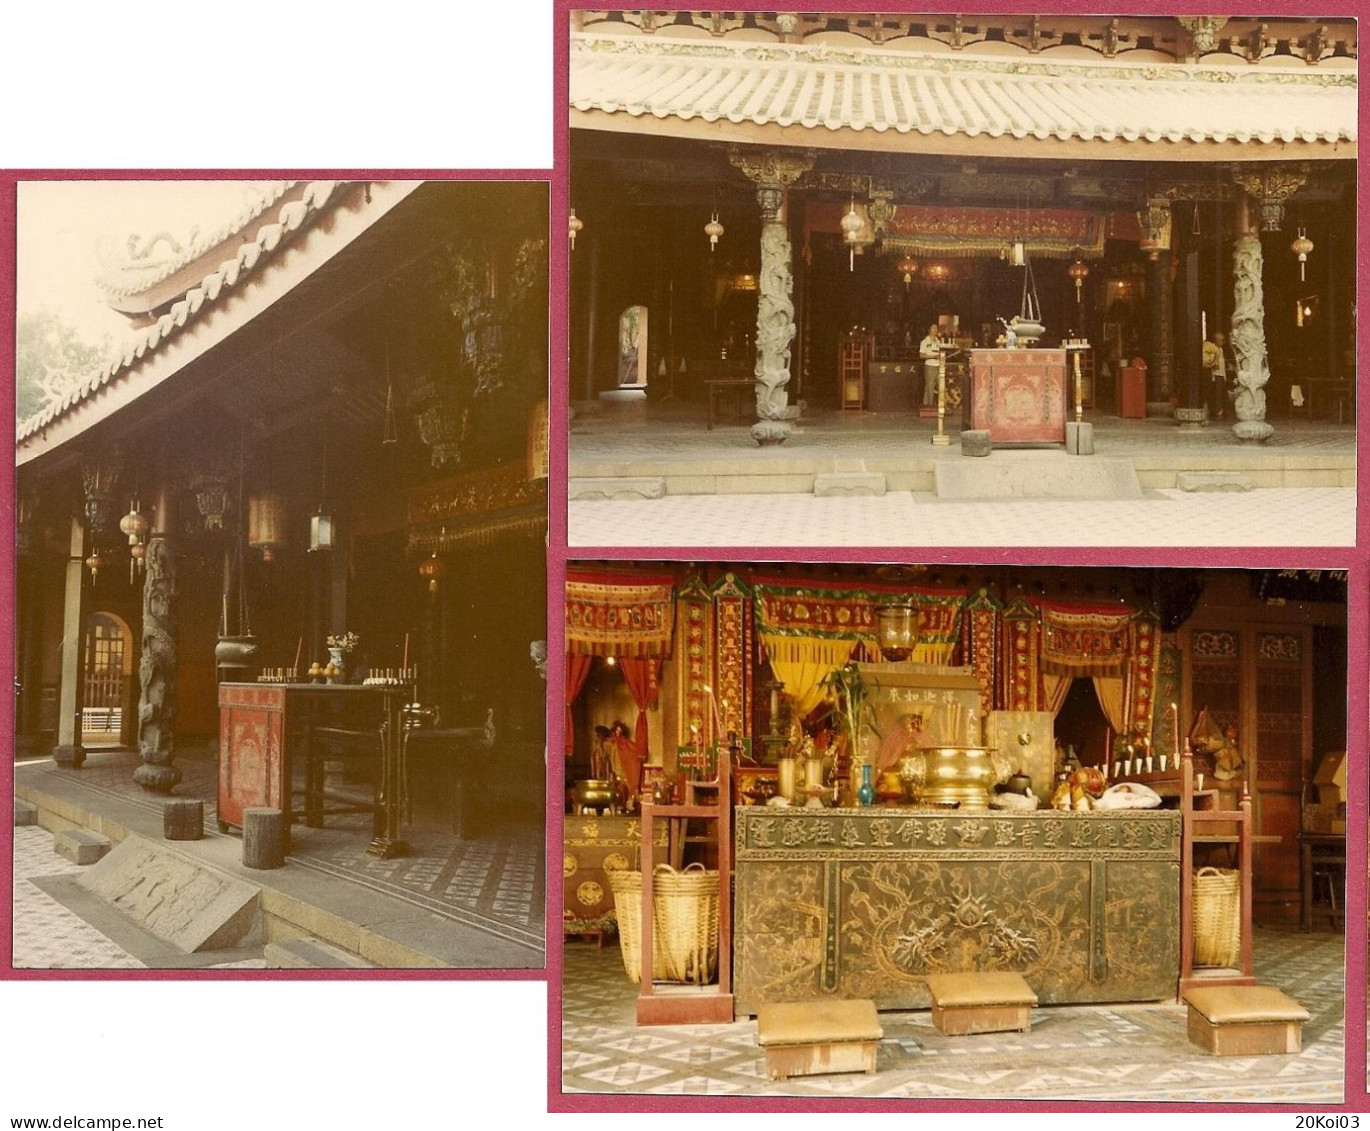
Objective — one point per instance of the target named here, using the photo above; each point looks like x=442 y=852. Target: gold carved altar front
x=865 y=903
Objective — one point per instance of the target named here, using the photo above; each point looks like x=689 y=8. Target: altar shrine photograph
x=990 y=256
x=271 y=712
x=941 y=831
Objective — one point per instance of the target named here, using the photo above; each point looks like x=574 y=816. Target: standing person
x=930 y=350
x=1215 y=365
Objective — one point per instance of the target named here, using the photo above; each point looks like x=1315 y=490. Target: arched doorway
x=107 y=705
x=633 y=348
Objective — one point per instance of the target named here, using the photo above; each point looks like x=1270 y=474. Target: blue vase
x=865 y=792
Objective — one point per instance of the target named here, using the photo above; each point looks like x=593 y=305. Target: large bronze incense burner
x=946 y=776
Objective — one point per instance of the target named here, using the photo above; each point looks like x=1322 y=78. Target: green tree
x=50 y=356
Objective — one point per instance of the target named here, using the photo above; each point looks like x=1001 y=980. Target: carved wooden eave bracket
x=1271 y=187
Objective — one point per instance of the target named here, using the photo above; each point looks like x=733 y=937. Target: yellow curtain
x=1055 y=688
x=801 y=662
x=1109 y=689
x=933 y=651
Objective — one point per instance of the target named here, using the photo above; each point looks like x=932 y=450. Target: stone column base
x=1191 y=419
x=1159 y=408
x=766 y=432
x=1253 y=431
x=73 y=756
x=158 y=779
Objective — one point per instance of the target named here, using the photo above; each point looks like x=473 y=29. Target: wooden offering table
x=1018 y=396
x=866 y=903
x=265 y=734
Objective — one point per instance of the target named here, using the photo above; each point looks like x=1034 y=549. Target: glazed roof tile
x=248 y=257
x=861 y=90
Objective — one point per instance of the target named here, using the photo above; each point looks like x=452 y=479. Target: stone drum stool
x=812 y=1037
x=980 y=1001
x=1245 y=1020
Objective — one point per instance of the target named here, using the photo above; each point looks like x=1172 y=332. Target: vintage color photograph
x=847 y=279
x=942 y=832
x=281 y=530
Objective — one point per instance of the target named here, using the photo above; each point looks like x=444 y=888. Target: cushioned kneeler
x=806 y=1038
x=980 y=1001
x=1245 y=1020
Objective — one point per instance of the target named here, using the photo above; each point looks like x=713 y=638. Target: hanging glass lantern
x=1079 y=272
x=908 y=267
x=1017 y=254
x=137 y=561
x=432 y=569
x=95 y=563
x=1301 y=246
x=266 y=523
x=574 y=225
x=853 y=233
x=320 y=531
x=897 y=629
x=713 y=229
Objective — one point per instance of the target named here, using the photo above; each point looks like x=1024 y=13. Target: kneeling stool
x=1245 y=1020
x=980 y=1001
x=807 y=1038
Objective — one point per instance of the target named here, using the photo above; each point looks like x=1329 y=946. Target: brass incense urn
x=953 y=776
x=591 y=794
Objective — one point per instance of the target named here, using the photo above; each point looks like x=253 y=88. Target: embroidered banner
x=963 y=232
x=1085 y=640
x=627 y=615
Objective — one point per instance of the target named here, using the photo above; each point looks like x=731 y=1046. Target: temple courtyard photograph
x=859 y=279
x=940 y=832
x=277 y=444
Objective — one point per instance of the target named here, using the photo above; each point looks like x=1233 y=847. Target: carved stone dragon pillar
x=773 y=171
x=157 y=670
x=1270 y=188
x=1248 y=338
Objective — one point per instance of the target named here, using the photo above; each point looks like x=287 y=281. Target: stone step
x=25 y=812
x=1036 y=475
x=179 y=899
x=624 y=487
x=845 y=483
x=312 y=954
x=1212 y=481
x=81 y=846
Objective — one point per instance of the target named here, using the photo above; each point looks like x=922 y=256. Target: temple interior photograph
x=1115 y=251
x=1067 y=833
x=281 y=575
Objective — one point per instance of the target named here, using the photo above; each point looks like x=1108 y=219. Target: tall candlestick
x=405 y=664
x=718 y=722
x=295 y=667
x=1175 y=725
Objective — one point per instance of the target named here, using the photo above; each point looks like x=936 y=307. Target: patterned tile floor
x=495 y=883
x=1117 y=1053
x=1272 y=516
x=46 y=935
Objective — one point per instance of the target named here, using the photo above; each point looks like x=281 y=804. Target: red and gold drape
x=643 y=677
x=577 y=671
x=619 y=615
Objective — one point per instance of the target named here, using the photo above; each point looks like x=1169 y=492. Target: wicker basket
x=627 y=888
x=1217 y=916
x=687 y=922
x=684 y=923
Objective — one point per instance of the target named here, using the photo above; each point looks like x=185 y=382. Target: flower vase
x=338 y=659
x=865 y=792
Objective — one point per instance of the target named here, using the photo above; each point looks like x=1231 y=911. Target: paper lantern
x=266 y=523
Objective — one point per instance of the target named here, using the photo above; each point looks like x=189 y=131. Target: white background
x=163 y=86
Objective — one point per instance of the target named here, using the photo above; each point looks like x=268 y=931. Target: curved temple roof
x=831 y=96
x=245 y=258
